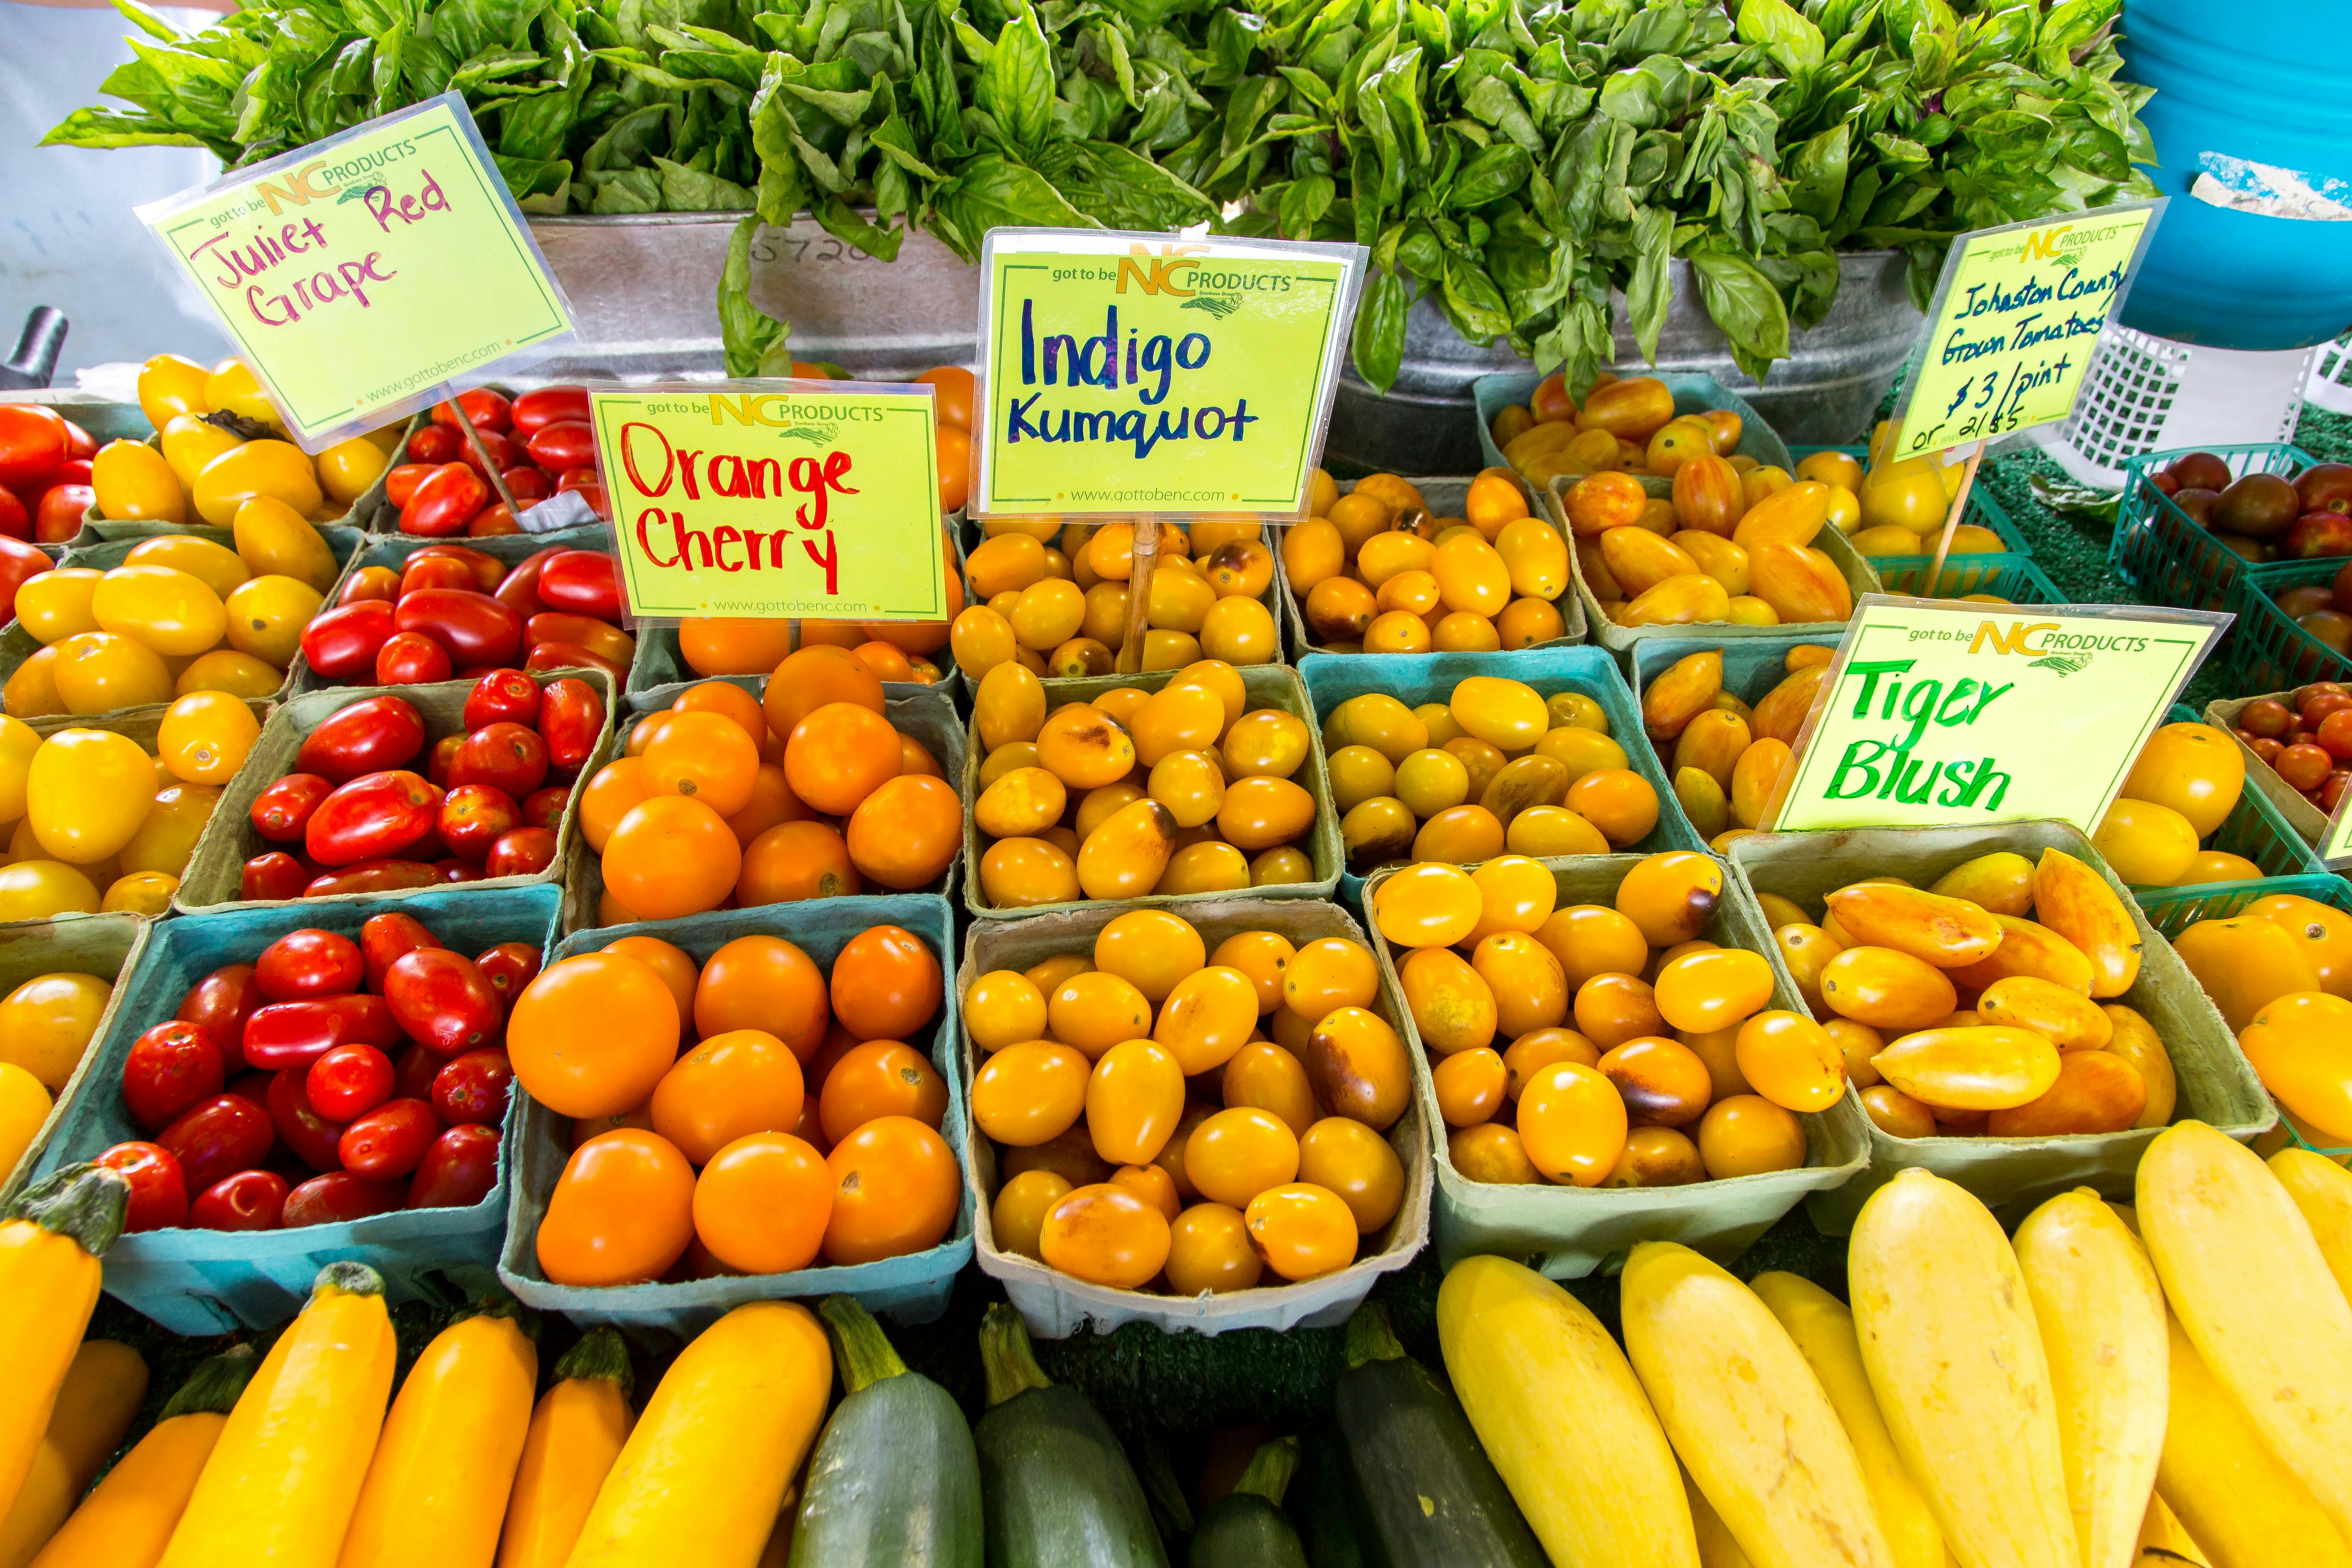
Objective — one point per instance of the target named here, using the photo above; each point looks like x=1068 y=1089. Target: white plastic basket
x=2146 y=394
x=2330 y=382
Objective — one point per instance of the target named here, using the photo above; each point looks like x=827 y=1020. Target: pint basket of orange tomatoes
x=1391 y=566
x=1179 y=784
x=1199 y=1117
x=1723 y=717
x=1610 y=1056
x=2009 y=1018
x=719 y=1110
x=813 y=783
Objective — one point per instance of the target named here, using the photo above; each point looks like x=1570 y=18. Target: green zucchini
x=1427 y=1494
x=1249 y=1529
x=1058 y=1489
x=1321 y=1503
x=895 y=1478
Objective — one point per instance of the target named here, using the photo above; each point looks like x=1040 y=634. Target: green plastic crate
x=2268 y=652
x=2254 y=828
x=2012 y=577
x=2165 y=553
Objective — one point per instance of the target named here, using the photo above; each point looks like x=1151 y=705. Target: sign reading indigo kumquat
x=371 y=274
x=1135 y=374
x=772 y=500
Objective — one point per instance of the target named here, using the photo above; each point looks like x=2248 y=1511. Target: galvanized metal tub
x=1825 y=393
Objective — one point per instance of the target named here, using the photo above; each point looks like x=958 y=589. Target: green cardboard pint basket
x=2309 y=823
x=104 y=946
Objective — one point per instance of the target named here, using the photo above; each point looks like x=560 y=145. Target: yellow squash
x=2161 y=1532
x=2238 y=1502
x=575 y=1435
x=285 y=1472
x=2242 y=1269
x=2101 y=1319
x=702 y=1477
x=1716 y=1549
x=437 y=1488
x=94 y=1406
x=1949 y=1342
x=50 y=1243
x=126 y=1522
x=1600 y=1490
x=1747 y=1414
x=2322 y=1189
x=1823 y=1331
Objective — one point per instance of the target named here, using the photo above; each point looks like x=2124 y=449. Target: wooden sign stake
x=1935 y=584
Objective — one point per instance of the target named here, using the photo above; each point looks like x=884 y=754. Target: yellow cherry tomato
x=37 y=889
x=204 y=736
x=169 y=610
x=24 y=1107
x=233 y=388
x=190 y=441
x=47 y=1023
x=275 y=539
x=265 y=617
x=54 y=606
x=175 y=822
x=133 y=483
x=216 y=566
x=32 y=691
x=168 y=385
x=18 y=742
x=225 y=669
x=278 y=468
x=140 y=893
x=87 y=793
x=96 y=672
x=347 y=468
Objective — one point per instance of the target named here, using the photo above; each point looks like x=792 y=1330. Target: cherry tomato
x=476 y=628
x=544 y=807
x=33 y=440
x=221 y=1002
x=571 y=718
x=57 y=516
x=459 y=1171
x=435 y=443
x=511 y=967
x=528 y=484
x=170 y=1068
x=525 y=852
x=411 y=659
x=519 y=589
x=508 y=757
x=249 y=1200
x=369 y=583
x=503 y=453
x=598 y=503
x=487 y=569
x=309 y=963
x=537 y=409
x=413 y=1071
x=339 y=1197
x=381 y=875
x=16 y=518
x=474 y=1088
x=399 y=484
x=505 y=695
x=342 y=644
x=81 y=442
x=384 y=938
x=474 y=816
x=445 y=502
x=485 y=410
x=583 y=581
x=273 y=878
x=217 y=1137
x=373 y=817
x=389 y=1141
x=282 y=808
x=365 y=737
x=348 y=1082
x=565 y=443
x=548 y=657
x=581 y=631
x=443 y=1001
x=435 y=572
x=18 y=559
x=576 y=479
x=454 y=870
x=159 y=1193
x=310 y=1136
x=296 y=1034
x=444 y=757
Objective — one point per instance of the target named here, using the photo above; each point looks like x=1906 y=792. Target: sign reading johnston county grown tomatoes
x=772 y=500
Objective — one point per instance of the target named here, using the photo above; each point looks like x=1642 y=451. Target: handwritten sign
x=2335 y=844
x=1136 y=375
x=2015 y=317
x=773 y=500
x=370 y=275
x=1939 y=713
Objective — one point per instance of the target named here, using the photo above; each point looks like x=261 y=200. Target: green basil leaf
x=1648 y=293
x=1794 y=42
x=1492 y=174
x=1744 y=303
x=1377 y=346
x=1303 y=202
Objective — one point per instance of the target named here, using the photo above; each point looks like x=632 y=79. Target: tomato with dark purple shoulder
x=583 y=581
x=525 y=852
x=368 y=736
x=511 y=967
x=476 y=629
x=572 y=720
x=217 y=1137
x=296 y=1034
x=308 y=1135
x=474 y=816
x=248 y=1200
x=159 y=1193
x=511 y=758
x=309 y=963
x=170 y=1068
x=389 y=1141
x=284 y=805
x=474 y=1087
x=544 y=807
x=482 y=408
x=459 y=1171
x=385 y=876
x=376 y=818
x=348 y=1082
x=505 y=695
x=221 y=1002
x=443 y=1001
x=385 y=937
x=342 y=644
x=339 y=1197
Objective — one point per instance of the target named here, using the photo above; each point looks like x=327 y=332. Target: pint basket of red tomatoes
x=367 y=791
x=1196 y=1116
x=235 y=1028
x=736 y=1106
x=540 y=442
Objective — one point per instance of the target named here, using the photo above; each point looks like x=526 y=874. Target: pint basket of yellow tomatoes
x=1531 y=422
x=1465 y=756
x=1198 y=1117
x=57 y=984
x=1389 y=565
x=1179 y=784
x=2009 y=1018
x=1608 y=1055
x=1723 y=719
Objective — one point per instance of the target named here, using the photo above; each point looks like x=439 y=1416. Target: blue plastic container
x=2261 y=81
x=211 y=1281
x=912 y=1289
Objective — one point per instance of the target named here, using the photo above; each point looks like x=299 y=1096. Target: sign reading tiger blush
x=1138 y=376
x=370 y=275
x=1939 y=713
x=772 y=500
